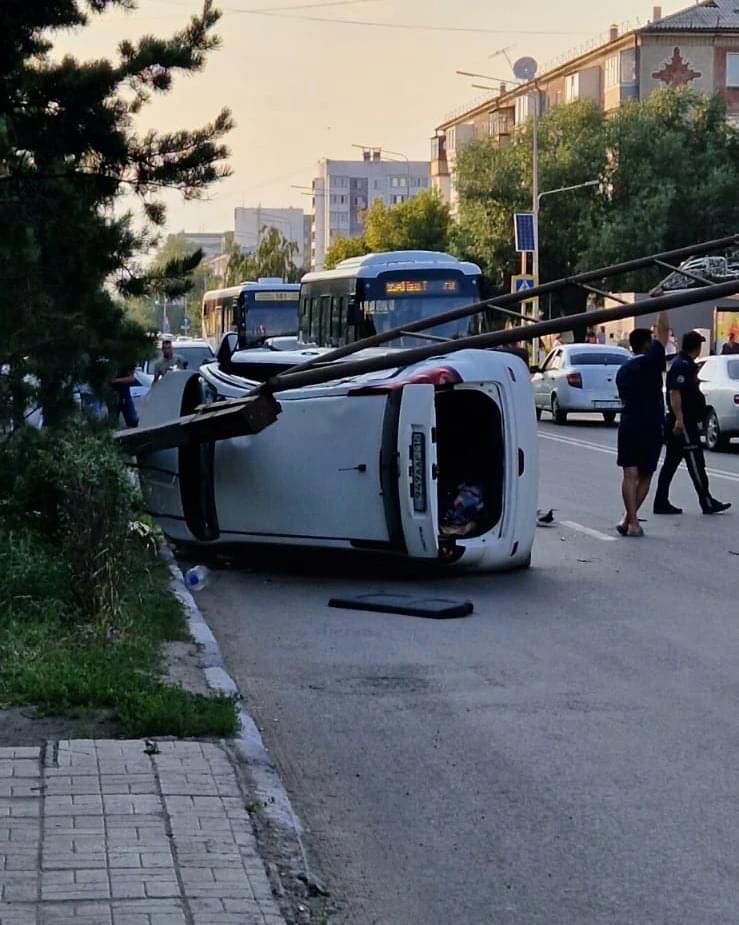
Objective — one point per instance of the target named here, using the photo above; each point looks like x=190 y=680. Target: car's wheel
x=538 y=413
x=609 y=417
x=715 y=440
x=560 y=416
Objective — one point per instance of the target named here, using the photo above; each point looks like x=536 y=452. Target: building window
x=397 y=199
x=612 y=72
x=732 y=69
x=451 y=139
x=523 y=108
x=572 y=88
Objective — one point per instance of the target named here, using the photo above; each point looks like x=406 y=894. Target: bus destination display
x=411 y=287
x=277 y=296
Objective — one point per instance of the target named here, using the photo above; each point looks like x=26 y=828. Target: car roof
x=595 y=348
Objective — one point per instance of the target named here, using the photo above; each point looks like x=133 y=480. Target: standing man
x=124 y=401
x=731 y=346
x=639 y=383
x=168 y=360
x=683 y=429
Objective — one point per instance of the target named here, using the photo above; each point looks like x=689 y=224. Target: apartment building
x=696 y=47
x=344 y=190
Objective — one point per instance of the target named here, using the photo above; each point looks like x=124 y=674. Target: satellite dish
x=525 y=68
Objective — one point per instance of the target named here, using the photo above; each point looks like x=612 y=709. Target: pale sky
x=300 y=90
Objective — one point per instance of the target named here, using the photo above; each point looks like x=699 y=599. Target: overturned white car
x=432 y=461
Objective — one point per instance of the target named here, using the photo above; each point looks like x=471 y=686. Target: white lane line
x=588 y=531
x=600 y=448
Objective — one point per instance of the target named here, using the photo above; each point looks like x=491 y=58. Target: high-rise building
x=344 y=190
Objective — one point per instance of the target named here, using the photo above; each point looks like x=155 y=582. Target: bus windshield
x=271 y=314
x=383 y=314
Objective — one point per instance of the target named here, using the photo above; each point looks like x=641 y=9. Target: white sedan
x=579 y=378
x=719 y=379
x=436 y=461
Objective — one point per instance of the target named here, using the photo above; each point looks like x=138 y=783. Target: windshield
x=194 y=356
x=383 y=314
x=265 y=320
x=598 y=359
x=732 y=368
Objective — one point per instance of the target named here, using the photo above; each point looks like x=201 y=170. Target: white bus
x=256 y=310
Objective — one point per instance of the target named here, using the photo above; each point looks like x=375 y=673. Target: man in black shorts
x=639 y=384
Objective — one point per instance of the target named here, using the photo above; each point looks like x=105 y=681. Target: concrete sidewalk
x=100 y=832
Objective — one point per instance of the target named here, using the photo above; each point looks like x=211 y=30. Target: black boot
x=717 y=507
x=664 y=507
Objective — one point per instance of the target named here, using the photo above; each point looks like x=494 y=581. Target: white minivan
x=435 y=461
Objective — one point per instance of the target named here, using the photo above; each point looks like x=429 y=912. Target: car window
x=547 y=362
x=195 y=356
x=599 y=358
x=732 y=368
x=557 y=361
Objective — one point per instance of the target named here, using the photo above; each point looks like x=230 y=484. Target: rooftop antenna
x=504 y=52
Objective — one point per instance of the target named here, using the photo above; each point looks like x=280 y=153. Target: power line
x=301 y=6
x=410 y=27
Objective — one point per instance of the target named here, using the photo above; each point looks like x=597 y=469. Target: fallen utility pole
x=298 y=377
x=579 y=280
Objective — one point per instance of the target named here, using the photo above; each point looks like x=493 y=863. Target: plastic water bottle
x=196 y=578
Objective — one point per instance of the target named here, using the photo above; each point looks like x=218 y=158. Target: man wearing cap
x=168 y=360
x=687 y=411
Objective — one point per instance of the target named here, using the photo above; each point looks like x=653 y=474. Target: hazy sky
x=301 y=90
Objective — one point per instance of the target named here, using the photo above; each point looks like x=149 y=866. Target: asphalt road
x=566 y=755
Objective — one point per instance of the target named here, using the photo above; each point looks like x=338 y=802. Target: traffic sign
x=525 y=232
x=522 y=283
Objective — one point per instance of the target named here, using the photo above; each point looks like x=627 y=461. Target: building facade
x=697 y=47
x=211 y=243
x=344 y=190
x=249 y=225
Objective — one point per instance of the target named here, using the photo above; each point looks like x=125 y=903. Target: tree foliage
x=667 y=171
x=69 y=148
x=274 y=256
x=420 y=223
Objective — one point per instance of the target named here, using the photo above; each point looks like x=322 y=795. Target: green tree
x=69 y=148
x=420 y=223
x=671 y=179
x=343 y=248
x=274 y=256
x=494 y=182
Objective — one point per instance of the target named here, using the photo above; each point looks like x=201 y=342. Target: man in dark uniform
x=683 y=429
x=639 y=383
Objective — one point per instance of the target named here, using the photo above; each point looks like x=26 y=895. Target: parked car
x=579 y=378
x=194 y=351
x=434 y=461
x=719 y=379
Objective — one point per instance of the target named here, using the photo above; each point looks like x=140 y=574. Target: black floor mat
x=436 y=608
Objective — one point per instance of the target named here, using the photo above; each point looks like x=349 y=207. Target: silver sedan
x=719 y=379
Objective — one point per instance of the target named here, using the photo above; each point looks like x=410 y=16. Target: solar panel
x=523 y=225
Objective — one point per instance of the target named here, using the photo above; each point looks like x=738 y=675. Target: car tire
x=538 y=413
x=560 y=416
x=609 y=417
x=715 y=440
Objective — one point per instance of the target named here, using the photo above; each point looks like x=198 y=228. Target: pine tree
x=69 y=149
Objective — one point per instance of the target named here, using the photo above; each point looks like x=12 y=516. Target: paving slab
x=102 y=832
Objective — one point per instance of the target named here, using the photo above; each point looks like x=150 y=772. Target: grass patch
x=60 y=665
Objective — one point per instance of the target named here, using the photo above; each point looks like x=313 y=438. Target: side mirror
x=534 y=369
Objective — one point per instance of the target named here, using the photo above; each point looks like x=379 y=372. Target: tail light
x=441 y=375
x=438 y=375
x=575 y=380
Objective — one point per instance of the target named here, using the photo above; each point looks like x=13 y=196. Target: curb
x=248 y=742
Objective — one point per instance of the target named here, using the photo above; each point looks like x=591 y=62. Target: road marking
x=611 y=451
x=588 y=531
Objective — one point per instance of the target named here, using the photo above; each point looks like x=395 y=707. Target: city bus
x=267 y=308
x=367 y=295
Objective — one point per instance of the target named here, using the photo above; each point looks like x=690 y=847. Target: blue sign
x=523 y=284
x=523 y=226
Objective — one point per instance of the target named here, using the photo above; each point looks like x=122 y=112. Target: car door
x=419 y=502
x=538 y=381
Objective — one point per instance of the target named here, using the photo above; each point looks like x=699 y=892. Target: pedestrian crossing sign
x=522 y=283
